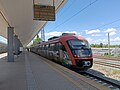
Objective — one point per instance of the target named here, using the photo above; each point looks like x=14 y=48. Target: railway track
x=108 y=64
x=76 y=79
x=79 y=80
x=73 y=76
x=107 y=61
x=107 y=58
x=111 y=83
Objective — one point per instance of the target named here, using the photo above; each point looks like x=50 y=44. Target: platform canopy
x=19 y=14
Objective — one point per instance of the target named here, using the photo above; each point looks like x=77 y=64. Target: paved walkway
x=31 y=72
x=12 y=74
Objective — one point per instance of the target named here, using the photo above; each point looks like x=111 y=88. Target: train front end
x=81 y=54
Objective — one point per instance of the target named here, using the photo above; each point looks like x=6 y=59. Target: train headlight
x=87 y=63
x=75 y=55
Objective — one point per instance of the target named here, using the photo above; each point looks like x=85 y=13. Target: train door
x=64 y=56
x=51 y=51
x=47 y=47
x=56 y=52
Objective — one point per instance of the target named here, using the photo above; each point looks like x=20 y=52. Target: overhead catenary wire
x=116 y=27
x=105 y=24
x=74 y=14
x=66 y=8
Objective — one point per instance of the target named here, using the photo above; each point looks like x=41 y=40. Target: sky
x=92 y=19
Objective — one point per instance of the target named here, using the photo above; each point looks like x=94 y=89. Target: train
x=68 y=49
x=3 y=47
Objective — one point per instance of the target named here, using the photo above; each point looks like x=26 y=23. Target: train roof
x=62 y=38
x=65 y=38
x=68 y=37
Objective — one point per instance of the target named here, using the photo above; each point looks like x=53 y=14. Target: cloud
x=56 y=33
x=104 y=41
x=113 y=41
x=89 y=40
x=71 y=32
x=111 y=30
x=98 y=41
x=111 y=33
x=117 y=39
x=92 y=31
x=96 y=35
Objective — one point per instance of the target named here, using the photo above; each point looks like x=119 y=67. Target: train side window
x=47 y=47
x=52 y=45
x=57 y=46
x=40 y=47
x=62 y=47
x=44 y=47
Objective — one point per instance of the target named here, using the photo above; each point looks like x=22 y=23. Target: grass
x=115 y=71
x=111 y=73
x=110 y=55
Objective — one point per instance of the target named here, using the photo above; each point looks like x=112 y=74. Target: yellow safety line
x=74 y=74
x=68 y=78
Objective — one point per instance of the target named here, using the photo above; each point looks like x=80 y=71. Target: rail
x=107 y=64
x=107 y=58
x=111 y=83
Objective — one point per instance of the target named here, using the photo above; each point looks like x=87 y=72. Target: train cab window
x=77 y=44
x=80 y=48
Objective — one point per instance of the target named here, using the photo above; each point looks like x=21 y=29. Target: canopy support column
x=16 y=45
x=20 y=46
x=10 y=44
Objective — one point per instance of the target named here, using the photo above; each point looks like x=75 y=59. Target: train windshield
x=78 y=44
x=80 y=48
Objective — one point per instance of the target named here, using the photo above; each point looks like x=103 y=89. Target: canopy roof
x=19 y=14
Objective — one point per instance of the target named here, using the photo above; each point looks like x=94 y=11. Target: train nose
x=86 y=63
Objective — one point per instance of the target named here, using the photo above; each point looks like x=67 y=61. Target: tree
x=37 y=40
x=101 y=45
x=119 y=46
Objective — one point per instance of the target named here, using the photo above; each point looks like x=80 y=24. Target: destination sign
x=44 y=13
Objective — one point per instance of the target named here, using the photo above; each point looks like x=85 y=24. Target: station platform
x=33 y=72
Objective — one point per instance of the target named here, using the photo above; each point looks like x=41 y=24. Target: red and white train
x=68 y=49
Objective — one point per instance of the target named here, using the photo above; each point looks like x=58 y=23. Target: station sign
x=44 y=13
